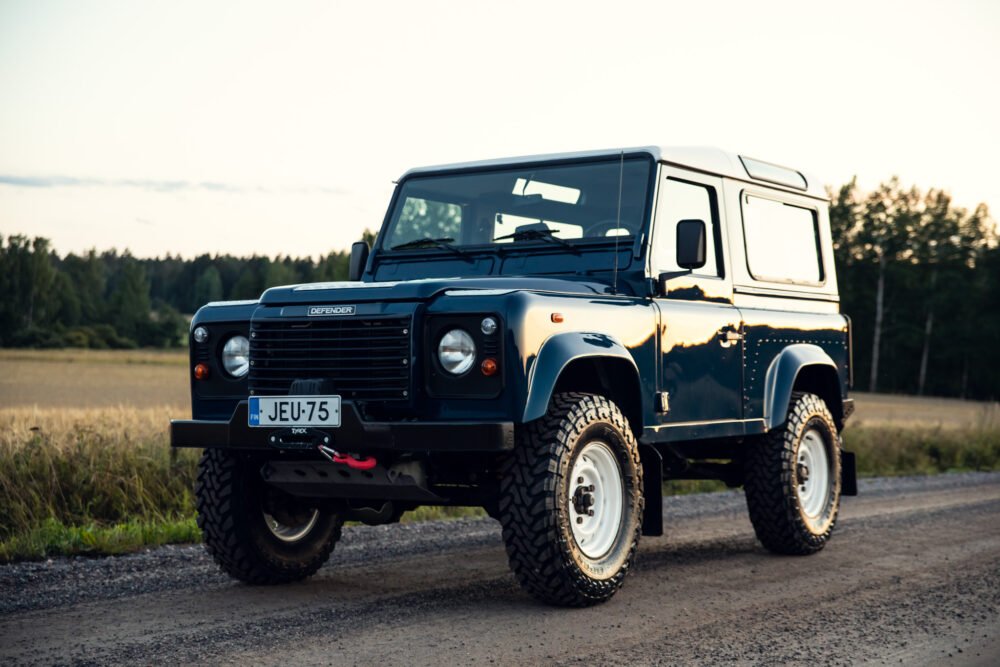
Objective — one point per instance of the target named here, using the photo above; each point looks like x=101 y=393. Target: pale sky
x=278 y=127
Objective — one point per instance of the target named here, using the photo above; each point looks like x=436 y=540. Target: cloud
x=158 y=186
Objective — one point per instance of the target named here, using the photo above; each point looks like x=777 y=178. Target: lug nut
x=579 y=480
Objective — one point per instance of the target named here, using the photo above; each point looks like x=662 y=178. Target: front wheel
x=792 y=480
x=571 y=502
x=255 y=533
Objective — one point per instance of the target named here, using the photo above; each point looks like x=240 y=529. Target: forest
x=918 y=275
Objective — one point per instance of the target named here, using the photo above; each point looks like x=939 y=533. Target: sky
x=278 y=127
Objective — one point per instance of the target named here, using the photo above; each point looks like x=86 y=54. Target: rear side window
x=782 y=241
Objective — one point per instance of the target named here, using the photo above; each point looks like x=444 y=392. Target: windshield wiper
x=445 y=243
x=539 y=235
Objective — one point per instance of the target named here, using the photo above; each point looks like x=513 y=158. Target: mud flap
x=848 y=474
x=652 y=490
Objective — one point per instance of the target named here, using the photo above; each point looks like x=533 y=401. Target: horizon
x=992 y=221
x=193 y=128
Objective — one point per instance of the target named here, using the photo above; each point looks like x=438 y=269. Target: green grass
x=890 y=450
x=433 y=513
x=103 y=480
x=54 y=538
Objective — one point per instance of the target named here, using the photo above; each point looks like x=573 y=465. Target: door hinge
x=663 y=402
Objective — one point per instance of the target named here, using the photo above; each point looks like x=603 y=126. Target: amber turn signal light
x=489 y=367
x=200 y=372
x=557 y=317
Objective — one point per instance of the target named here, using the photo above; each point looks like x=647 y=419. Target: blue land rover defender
x=549 y=338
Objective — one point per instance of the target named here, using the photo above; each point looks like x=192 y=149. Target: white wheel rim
x=290 y=533
x=813 y=477
x=596 y=499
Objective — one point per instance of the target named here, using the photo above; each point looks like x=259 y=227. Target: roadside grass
x=54 y=538
x=100 y=481
x=886 y=451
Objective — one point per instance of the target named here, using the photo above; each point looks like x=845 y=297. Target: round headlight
x=200 y=334
x=456 y=351
x=236 y=356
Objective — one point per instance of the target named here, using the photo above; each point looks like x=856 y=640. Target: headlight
x=236 y=356
x=456 y=351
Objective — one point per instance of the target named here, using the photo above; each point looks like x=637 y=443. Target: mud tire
x=771 y=480
x=230 y=496
x=535 y=499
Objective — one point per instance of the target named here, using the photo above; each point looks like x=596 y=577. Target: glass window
x=772 y=173
x=782 y=241
x=577 y=201
x=507 y=224
x=680 y=200
x=426 y=218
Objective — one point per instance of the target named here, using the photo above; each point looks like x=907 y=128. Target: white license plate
x=294 y=411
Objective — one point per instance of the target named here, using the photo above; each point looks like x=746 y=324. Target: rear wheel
x=255 y=533
x=571 y=502
x=792 y=480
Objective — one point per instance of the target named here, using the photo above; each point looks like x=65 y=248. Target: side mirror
x=691 y=244
x=690 y=251
x=359 y=258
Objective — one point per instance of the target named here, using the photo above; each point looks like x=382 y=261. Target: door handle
x=729 y=336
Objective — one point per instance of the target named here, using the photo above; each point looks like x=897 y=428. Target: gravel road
x=911 y=576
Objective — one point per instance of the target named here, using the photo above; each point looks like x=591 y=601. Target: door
x=700 y=333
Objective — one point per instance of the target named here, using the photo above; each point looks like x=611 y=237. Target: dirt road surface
x=912 y=576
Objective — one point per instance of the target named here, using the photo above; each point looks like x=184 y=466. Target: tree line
x=114 y=300
x=918 y=275
x=920 y=278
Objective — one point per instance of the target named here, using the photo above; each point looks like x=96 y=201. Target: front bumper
x=354 y=435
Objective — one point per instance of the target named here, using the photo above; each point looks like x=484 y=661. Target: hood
x=420 y=290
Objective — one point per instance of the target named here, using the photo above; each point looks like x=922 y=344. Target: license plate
x=294 y=411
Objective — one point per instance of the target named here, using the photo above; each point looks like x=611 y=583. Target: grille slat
x=359 y=358
x=326 y=349
x=294 y=337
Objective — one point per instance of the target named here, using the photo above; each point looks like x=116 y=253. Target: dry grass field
x=154 y=379
x=923 y=412
x=85 y=465
x=94 y=379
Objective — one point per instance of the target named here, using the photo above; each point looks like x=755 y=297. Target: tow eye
x=350 y=460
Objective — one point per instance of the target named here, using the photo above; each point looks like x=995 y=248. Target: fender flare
x=559 y=351
x=781 y=375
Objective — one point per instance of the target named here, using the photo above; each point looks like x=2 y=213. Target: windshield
x=575 y=202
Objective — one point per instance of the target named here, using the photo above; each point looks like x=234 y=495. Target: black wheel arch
x=611 y=377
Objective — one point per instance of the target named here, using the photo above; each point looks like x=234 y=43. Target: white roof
x=701 y=158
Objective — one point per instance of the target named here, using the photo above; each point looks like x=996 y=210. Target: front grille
x=364 y=359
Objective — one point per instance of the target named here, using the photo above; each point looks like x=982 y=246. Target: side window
x=782 y=241
x=680 y=200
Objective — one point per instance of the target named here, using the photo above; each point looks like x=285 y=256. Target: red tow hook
x=332 y=455
x=367 y=463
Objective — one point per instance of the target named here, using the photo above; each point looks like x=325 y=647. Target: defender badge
x=319 y=311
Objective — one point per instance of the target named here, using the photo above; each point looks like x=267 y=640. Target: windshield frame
x=384 y=252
